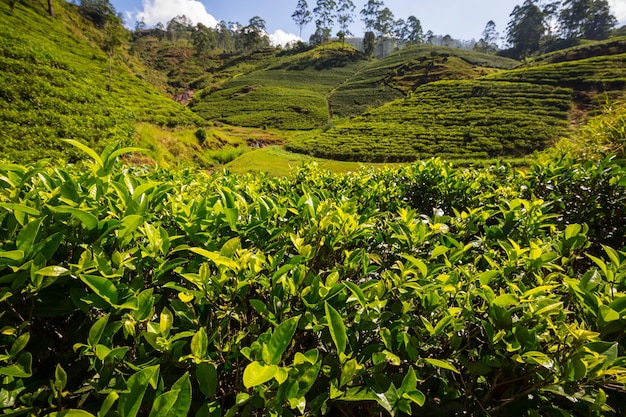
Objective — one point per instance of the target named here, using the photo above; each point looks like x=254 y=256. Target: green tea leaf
x=108 y=403
x=103 y=287
x=256 y=374
x=336 y=327
x=92 y=154
x=26 y=237
x=19 y=344
x=206 y=374
x=89 y=221
x=53 y=271
x=96 y=331
x=129 y=402
x=281 y=338
x=183 y=400
x=60 y=378
x=199 y=343
x=20 y=369
x=438 y=363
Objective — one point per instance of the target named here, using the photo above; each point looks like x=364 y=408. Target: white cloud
x=618 y=7
x=280 y=37
x=155 y=11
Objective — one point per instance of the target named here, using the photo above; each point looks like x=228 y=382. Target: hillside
x=288 y=91
x=54 y=84
x=451 y=119
x=392 y=77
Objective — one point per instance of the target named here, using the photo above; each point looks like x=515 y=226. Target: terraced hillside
x=54 y=84
x=395 y=76
x=287 y=92
x=589 y=76
x=450 y=119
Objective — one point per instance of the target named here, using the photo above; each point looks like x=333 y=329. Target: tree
x=98 y=11
x=384 y=26
x=591 y=19
x=179 y=27
x=526 y=29
x=224 y=36
x=324 y=10
x=400 y=30
x=50 y=10
x=489 y=39
x=302 y=15
x=203 y=40
x=369 y=43
x=253 y=36
x=429 y=37
x=369 y=14
x=345 y=16
x=414 y=30
x=601 y=21
x=115 y=36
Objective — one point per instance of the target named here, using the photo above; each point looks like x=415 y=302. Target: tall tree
x=400 y=30
x=98 y=11
x=591 y=19
x=50 y=9
x=414 y=30
x=384 y=26
x=253 y=36
x=369 y=43
x=324 y=11
x=488 y=41
x=345 y=16
x=369 y=14
x=203 y=40
x=224 y=37
x=115 y=36
x=302 y=15
x=601 y=21
x=526 y=29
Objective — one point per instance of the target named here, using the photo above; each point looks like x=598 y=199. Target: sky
x=461 y=19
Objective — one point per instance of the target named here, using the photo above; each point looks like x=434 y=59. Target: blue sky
x=461 y=19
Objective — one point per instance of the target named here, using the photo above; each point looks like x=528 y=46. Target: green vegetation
x=393 y=77
x=415 y=290
x=54 y=83
x=286 y=92
x=605 y=73
x=450 y=119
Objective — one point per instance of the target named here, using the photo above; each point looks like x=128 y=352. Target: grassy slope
x=393 y=77
x=287 y=91
x=53 y=84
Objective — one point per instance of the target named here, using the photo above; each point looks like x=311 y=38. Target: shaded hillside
x=450 y=119
x=54 y=84
x=289 y=92
x=393 y=77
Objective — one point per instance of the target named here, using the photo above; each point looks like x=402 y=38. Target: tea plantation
x=422 y=290
x=392 y=77
x=450 y=119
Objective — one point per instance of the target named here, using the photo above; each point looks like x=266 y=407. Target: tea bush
x=425 y=290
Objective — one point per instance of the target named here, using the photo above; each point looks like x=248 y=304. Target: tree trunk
x=50 y=10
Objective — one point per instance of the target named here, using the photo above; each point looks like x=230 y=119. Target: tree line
x=534 y=25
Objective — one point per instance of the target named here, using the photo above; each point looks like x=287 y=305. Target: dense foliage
x=424 y=290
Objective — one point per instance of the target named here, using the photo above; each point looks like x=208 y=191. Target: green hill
x=54 y=84
x=288 y=91
x=393 y=77
x=450 y=119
